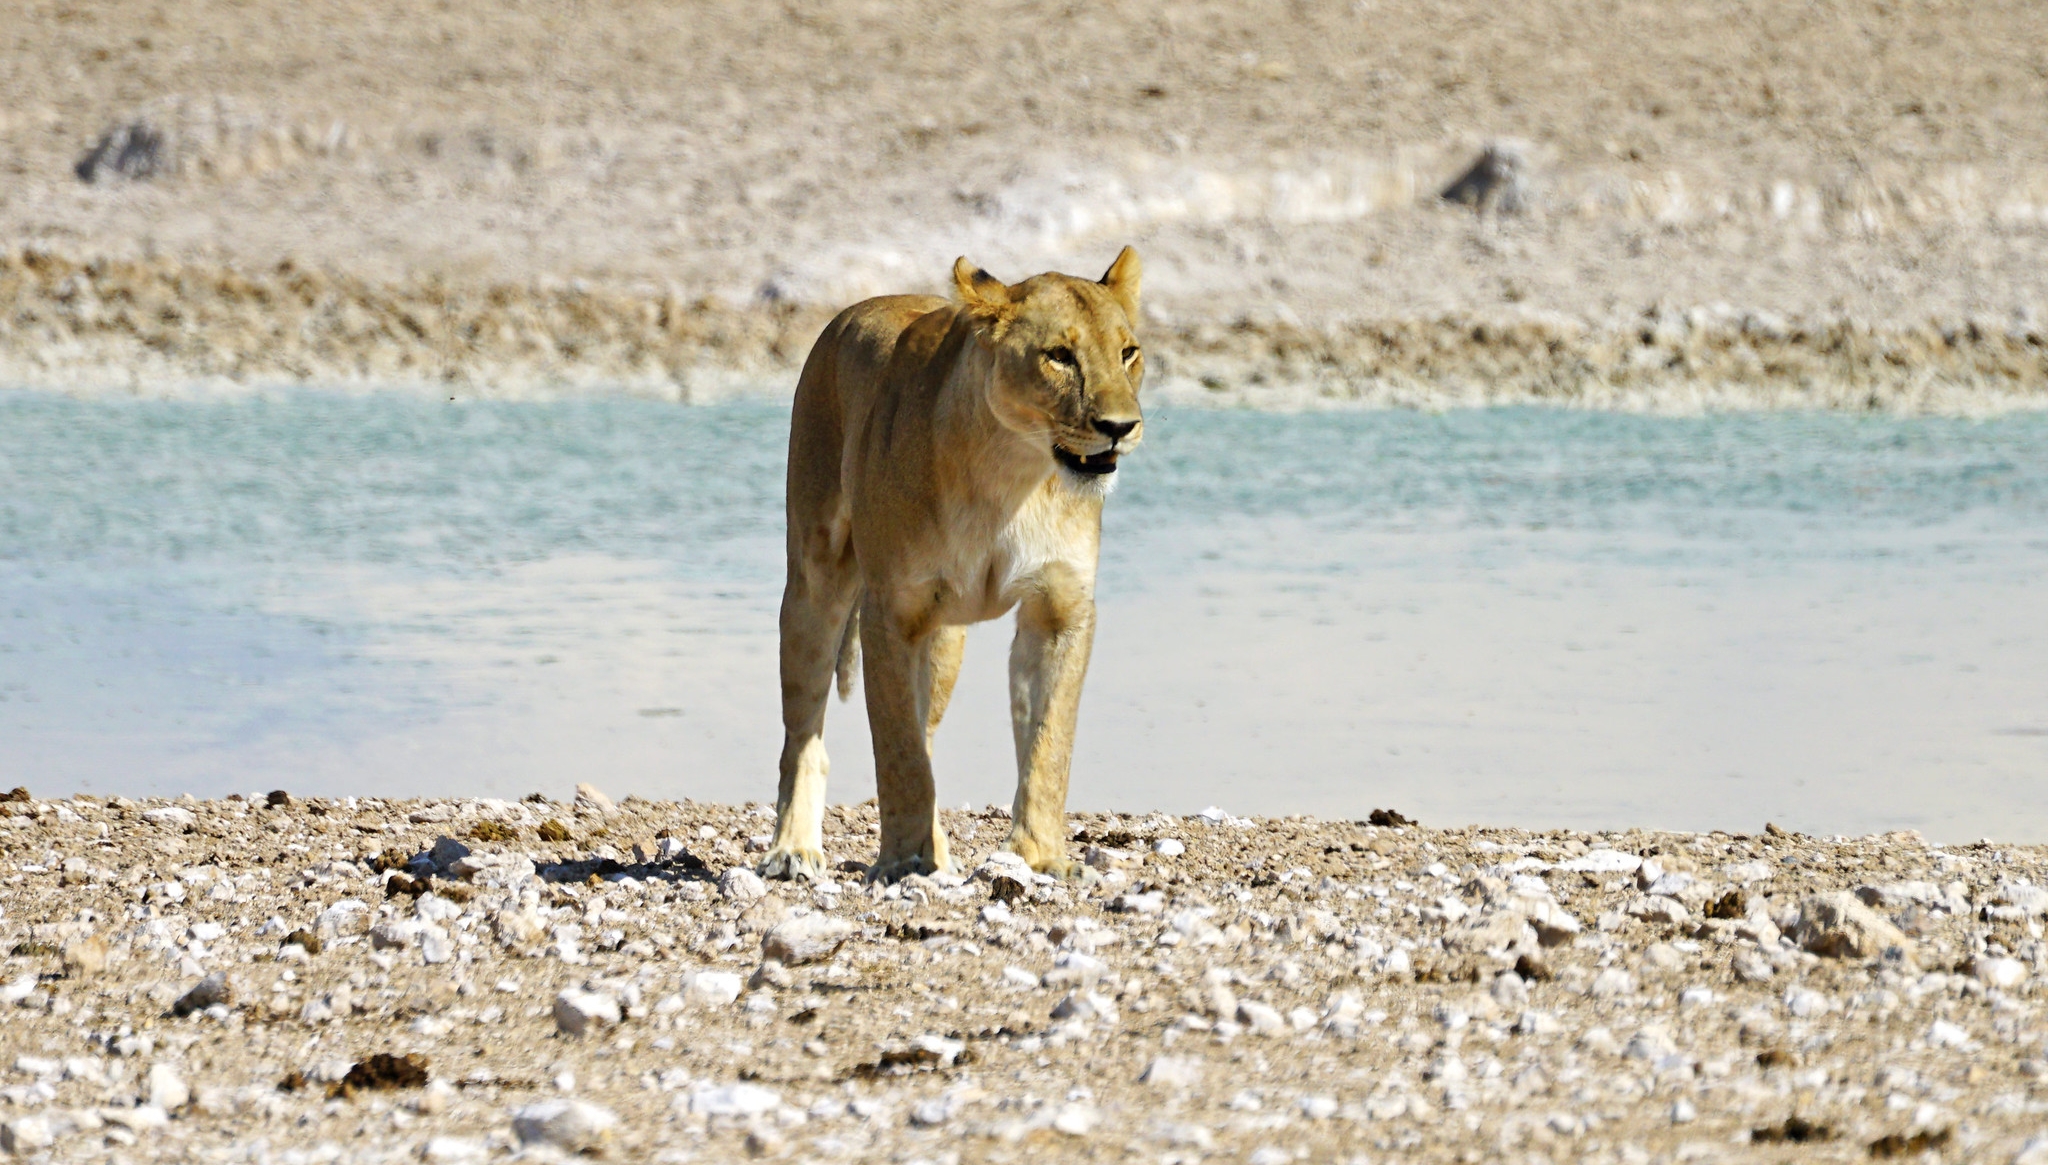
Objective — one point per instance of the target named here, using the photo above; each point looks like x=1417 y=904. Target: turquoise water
x=343 y=592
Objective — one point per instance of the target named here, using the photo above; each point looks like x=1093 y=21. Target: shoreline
x=147 y=328
x=487 y=980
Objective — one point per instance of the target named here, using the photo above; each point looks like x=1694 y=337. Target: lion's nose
x=1114 y=430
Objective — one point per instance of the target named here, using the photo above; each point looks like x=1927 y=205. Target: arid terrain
x=285 y=980
x=1745 y=203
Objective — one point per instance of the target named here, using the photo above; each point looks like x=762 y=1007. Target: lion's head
x=1067 y=361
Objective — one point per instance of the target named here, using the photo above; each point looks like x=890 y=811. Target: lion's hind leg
x=816 y=607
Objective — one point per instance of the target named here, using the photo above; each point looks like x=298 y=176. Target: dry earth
x=1841 y=204
x=353 y=980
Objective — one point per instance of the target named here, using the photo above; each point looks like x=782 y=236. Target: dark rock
x=1496 y=181
x=207 y=992
x=136 y=151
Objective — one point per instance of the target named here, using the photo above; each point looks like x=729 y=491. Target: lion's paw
x=887 y=870
x=1061 y=867
x=791 y=864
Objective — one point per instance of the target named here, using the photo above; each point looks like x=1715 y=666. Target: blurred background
x=341 y=345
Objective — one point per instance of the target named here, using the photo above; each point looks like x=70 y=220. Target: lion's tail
x=849 y=654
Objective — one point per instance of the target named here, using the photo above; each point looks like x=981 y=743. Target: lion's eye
x=1130 y=353
x=1064 y=357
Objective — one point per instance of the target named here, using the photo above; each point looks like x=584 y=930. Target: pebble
x=1840 y=926
x=579 y=1012
x=1077 y=1120
x=166 y=1089
x=1999 y=972
x=808 y=938
x=591 y=799
x=447 y=1150
x=84 y=956
x=734 y=1100
x=208 y=992
x=574 y=1126
x=1172 y=1072
x=711 y=988
x=741 y=884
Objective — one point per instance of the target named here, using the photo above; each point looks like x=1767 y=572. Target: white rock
x=1752 y=967
x=1318 y=1108
x=166 y=1089
x=1655 y=908
x=435 y=945
x=579 y=1012
x=808 y=938
x=1446 y=1069
x=1172 y=1072
x=1085 y=1005
x=25 y=1134
x=1343 y=1013
x=1075 y=968
x=591 y=799
x=488 y=869
x=337 y=916
x=1148 y=903
x=1603 y=861
x=143 y=1118
x=571 y=1125
x=711 y=988
x=395 y=934
x=1840 y=926
x=1899 y=895
x=1019 y=979
x=1806 y=1003
x=1696 y=996
x=734 y=1100
x=741 y=884
x=1999 y=972
x=169 y=815
x=1077 y=1120
x=453 y=1150
x=1651 y=1042
x=1744 y=873
x=38 y=1065
x=1168 y=847
x=1683 y=1111
x=1612 y=982
x=1262 y=1019
x=1944 y=1034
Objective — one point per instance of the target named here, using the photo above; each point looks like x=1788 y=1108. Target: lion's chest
x=1038 y=547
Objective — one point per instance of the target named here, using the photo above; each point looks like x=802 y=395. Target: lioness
x=947 y=462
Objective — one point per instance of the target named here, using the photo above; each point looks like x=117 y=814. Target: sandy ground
x=216 y=981
x=1781 y=200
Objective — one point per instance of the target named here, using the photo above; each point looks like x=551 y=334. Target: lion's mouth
x=1092 y=465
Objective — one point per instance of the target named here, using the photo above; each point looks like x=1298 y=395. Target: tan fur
x=924 y=495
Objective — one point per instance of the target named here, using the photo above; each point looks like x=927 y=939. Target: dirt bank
x=160 y=327
x=1862 y=183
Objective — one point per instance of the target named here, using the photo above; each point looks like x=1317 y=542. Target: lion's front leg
x=898 y=681
x=1048 y=660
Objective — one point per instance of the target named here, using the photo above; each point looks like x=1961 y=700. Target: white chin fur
x=1087 y=485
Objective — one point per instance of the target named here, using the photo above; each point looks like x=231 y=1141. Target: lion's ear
x=1122 y=281
x=978 y=289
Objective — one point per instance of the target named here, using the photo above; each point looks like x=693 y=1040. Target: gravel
x=1304 y=988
